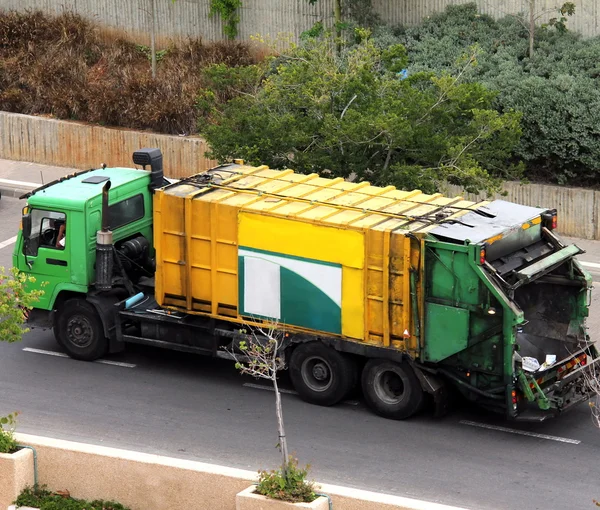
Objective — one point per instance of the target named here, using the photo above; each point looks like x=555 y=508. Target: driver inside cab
x=62 y=230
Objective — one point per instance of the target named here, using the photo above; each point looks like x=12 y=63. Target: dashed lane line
x=63 y=355
x=520 y=432
x=290 y=392
x=590 y=264
x=8 y=242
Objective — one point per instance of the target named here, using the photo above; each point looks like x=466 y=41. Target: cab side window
x=126 y=211
x=48 y=230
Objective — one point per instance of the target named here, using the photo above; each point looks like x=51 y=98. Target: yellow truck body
x=314 y=254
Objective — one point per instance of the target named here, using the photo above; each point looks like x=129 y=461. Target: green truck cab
x=499 y=302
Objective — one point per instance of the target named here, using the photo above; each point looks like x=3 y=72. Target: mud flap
x=104 y=305
x=437 y=388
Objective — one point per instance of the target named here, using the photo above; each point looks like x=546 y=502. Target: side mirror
x=26 y=223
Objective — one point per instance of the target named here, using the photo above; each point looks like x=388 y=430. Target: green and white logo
x=292 y=290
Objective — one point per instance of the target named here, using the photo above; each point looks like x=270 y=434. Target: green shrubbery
x=8 y=443
x=290 y=486
x=353 y=114
x=40 y=497
x=558 y=90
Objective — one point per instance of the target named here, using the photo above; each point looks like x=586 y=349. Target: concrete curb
x=15 y=189
x=126 y=476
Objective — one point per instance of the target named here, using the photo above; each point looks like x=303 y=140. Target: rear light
x=514 y=397
x=550 y=219
x=482 y=256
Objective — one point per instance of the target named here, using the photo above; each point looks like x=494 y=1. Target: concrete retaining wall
x=151 y=482
x=82 y=146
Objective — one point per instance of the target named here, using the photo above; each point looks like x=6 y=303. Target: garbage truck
x=402 y=294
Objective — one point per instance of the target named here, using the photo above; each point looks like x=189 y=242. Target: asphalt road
x=196 y=408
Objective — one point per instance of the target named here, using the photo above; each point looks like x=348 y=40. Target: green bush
x=557 y=90
x=290 y=486
x=8 y=443
x=42 y=498
x=354 y=114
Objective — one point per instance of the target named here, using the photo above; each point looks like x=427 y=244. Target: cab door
x=46 y=251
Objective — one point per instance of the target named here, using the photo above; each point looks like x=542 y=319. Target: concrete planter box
x=16 y=473
x=13 y=507
x=249 y=500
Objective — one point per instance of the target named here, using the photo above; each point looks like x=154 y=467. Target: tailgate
x=560 y=386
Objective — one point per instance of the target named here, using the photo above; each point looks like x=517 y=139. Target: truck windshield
x=46 y=231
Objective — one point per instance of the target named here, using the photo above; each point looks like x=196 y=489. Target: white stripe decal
x=520 y=432
x=262 y=287
x=324 y=277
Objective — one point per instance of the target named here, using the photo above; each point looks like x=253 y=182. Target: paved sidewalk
x=19 y=177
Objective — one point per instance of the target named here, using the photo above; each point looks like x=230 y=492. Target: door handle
x=57 y=262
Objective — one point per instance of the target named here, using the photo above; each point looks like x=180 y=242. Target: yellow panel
x=301 y=239
x=353 y=310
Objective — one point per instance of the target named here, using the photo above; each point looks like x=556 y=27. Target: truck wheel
x=392 y=389
x=321 y=375
x=79 y=330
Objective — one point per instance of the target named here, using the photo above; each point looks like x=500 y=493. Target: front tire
x=321 y=375
x=79 y=330
x=392 y=389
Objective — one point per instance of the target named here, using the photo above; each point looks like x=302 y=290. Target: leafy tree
x=355 y=115
x=15 y=301
x=567 y=9
x=260 y=357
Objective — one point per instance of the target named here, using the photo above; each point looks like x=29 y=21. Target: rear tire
x=392 y=389
x=79 y=330
x=321 y=375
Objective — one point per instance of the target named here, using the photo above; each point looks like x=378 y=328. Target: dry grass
x=68 y=67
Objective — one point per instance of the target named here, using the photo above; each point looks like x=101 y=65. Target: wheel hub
x=80 y=331
x=320 y=372
x=317 y=374
x=389 y=386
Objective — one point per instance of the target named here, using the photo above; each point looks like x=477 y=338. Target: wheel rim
x=389 y=386
x=79 y=331
x=317 y=374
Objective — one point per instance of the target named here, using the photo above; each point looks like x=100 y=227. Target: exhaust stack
x=104 y=247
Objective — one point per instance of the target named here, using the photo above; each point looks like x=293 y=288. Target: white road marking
x=269 y=388
x=8 y=242
x=115 y=363
x=49 y=353
x=63 y=355
x=20 y=183
x=520 y=432
x=290 y=392
x=590 y=264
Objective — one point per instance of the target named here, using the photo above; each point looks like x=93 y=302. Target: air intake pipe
x=154 y=158
x=104 y=247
